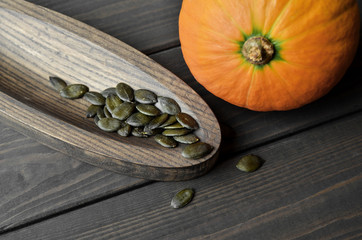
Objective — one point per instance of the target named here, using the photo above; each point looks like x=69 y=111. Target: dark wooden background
x=310 y=186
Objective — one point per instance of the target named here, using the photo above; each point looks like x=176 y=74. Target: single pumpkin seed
x=123 y=111
x=92 y=111
x=174 y=126
x=57 y=83
x=149 y=110
x=138 y=119
x=112 y=102
x=138 y=132
x=187 y=139
x=125 y=130
x=249 y=163
x=125 y=92
x=176 y=132
x=95 y=98
x=168 y=105
x=100 y=113
x=170 y=120
x=145 y=96
x=157 y=121
x=187 y=121
x=108 y=91
x=74 y=91
x=96 y=119
x=109 y=124
x=165 y=141
x=197 y=150
x=106 y=112
x=182 y=198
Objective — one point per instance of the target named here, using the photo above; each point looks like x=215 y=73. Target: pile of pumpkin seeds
x=130 y=112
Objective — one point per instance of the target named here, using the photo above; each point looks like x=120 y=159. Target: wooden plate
x=36 y=43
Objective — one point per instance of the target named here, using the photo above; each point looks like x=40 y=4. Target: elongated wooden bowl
x=36 y=43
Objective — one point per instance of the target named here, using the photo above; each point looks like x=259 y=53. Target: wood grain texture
x=308 y=188
x=36 y=181
x=38 y=43
x=247 y=130
x=148 y=26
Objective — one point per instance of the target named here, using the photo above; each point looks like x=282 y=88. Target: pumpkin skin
x=314 y=41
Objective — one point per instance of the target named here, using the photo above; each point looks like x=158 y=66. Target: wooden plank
x=309 y=187
x=149 y=26
x=244 y=129
x=36 y=181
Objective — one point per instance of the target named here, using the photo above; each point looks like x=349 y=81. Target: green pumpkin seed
x=106 y=112
x=138 y=132
x=187 y=121
x=125 y=130
x=138 y=120
x=165 y=141
x=176 y=132
x=123 y=111
x=92 y=110
x=109 y=124
x=174 y=126
x=149 y=110
x=108 y=91
x=96 y=119
x=100 y=113
x=187 y=139
x=145 y=96
x=74 y=91
x=125 y=92
x=182 y=198
x=157 y=121
x=170 y=120
x=197 y=150
x=168 y=105
x=249 y=163
x=95 y=98
x=112 y=102
x=57 y=83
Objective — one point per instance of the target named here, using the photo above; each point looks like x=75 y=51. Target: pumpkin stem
x=258 y=50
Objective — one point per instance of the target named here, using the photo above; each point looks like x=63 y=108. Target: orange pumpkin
x=269 y=54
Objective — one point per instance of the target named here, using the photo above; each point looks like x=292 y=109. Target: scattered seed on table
x=182 y=198
x=249 y=163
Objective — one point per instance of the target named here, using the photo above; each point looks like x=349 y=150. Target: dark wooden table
x=310 y=186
